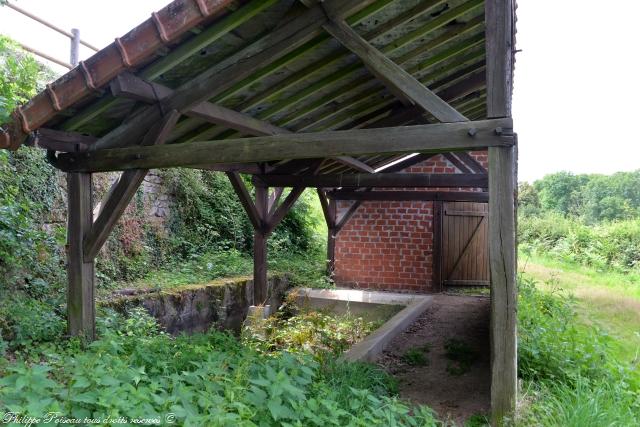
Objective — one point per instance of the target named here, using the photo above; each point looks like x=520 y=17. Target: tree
x=21 y=77
x=560 y=192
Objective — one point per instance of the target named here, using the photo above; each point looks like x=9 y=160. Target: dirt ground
x=453 y=396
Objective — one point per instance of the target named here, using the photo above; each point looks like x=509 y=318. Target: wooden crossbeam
x=284 y=208
x=406 y=163
x=127 y=85
x=357 y=180
x=440 y=137
x=249 y=168
x=457 y=163
x=355 y=164
x=257 y=219
x=329 y=211
x=447 y=196
x=57 y=140
x=395 y=78
x=471 y=162
x=123 y=191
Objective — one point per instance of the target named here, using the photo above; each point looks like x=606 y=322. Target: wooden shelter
x=297 y=94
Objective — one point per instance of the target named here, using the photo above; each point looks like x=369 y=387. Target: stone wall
x=196 y=308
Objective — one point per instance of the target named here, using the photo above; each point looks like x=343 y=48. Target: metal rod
x=75 y=46
x=44 y=55
x=48 y=24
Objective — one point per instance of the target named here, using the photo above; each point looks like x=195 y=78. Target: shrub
x=209 y=379
x=570 y=370
x=613 y=245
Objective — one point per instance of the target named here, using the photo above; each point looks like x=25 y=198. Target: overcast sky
x=575 y=103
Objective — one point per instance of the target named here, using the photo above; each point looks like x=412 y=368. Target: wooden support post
x=502 y=221
x=260 y=237
x=329 y=210
x=80 y=269
x=331 y=239
x=502 y=256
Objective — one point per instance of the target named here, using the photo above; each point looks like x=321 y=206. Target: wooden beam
x=248 y=168
x=123 y=191
x=255 y=216
x=56 y=140
x=347 y=216
x=274 y=199
x=355 y=164
x=457 y=163
x=471 y=162
x=406 y=163
x=440 y=137
x=395 y=78
x=127 y=85
x=449 y=196
x=499 y=20
x=357 y=180
x=260 y=236
x=81 y=317
x=293 y=166
x=329 y=217
x=284 y=208
x=233 y=69
x=329 y=208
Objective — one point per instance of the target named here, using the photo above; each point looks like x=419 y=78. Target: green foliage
x=593 y=198
x=604 y=246
x=415 y=357
x=573 y=376
x=21 y=77
x=460 y=356
x=309 y=331
x=209 y=379
x=209 y=215
x=585 y=404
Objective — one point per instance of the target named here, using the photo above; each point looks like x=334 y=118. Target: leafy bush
x=570 y=370
x=610 y=245
x=210 y=379
x=312 y=332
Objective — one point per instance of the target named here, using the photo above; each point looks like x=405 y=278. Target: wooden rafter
x=397 y=80
x=224 y=75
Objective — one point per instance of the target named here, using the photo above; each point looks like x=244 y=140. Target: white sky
x=576 y=100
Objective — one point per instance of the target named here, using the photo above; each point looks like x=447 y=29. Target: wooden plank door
x=465 y=248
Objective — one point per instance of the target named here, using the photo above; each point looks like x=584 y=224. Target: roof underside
x=320 y=85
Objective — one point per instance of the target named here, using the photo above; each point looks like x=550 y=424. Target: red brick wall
x=389 y=245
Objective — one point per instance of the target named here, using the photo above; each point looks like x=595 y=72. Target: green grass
x=460 y=356
x=417 y=356
x=577 y=368
x=303 y=270
x=610 y=301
